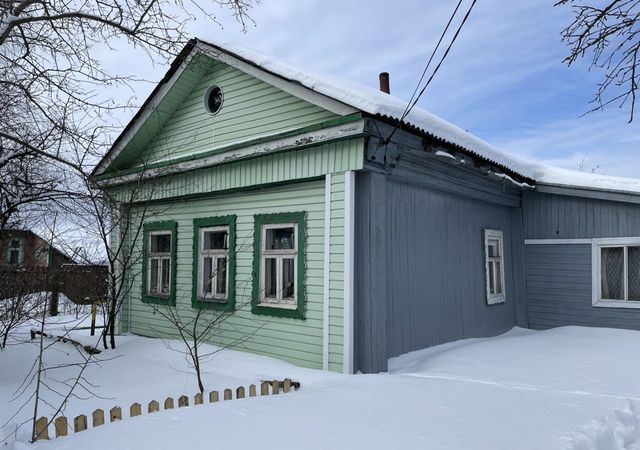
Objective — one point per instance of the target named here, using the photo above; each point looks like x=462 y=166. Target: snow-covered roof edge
x=376 y=103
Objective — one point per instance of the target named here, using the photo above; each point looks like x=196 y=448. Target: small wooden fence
x=80 y=423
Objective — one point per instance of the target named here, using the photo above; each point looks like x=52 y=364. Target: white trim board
x=316 y=137
x=556 y=241
x=327 y=266
x=349 y=216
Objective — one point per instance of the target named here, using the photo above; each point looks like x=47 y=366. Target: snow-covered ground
x=568 y=388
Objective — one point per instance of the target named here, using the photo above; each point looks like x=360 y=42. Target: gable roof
x=345 y=97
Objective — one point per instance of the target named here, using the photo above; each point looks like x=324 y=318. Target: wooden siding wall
x=297 y=341
x=305 y=162
x=420 y=276
x=251 y=108
x=558 y=276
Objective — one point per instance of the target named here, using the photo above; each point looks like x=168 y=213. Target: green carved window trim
x=274 y=310
x=196 y=302
x=149 y=227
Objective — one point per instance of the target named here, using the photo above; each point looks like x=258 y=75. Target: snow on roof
x=377 y=103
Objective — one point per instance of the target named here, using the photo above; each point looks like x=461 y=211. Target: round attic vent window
x=213 y=99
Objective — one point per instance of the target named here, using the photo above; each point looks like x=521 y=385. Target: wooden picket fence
x=80 y=423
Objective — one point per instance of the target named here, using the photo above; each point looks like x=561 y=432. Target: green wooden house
x=335 y=231
x=248 y=173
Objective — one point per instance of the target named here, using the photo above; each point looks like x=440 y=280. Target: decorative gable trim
x=178 y=67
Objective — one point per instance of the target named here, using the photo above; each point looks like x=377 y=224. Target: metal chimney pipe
x=384 y=83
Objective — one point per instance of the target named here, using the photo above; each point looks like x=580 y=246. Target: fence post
x=97 y=417
x=135 y=410
x=228 y=394
x=183 y=400
x=252 y=390
x=115 y=413
x=287 y=385
x=80 y=423
x=240 y=392
x=197 y=399
x=168 y=403
x=213 y=396
x=154 y=406
x=264 y=388
x=42 y=430
x=93 y=319
x=276 y=387
x=61 y=426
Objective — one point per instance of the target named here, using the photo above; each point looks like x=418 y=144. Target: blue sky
x=504 y=80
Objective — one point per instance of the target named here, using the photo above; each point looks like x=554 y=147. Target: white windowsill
x=495 y=299
x=629 y=304
x=279 y=305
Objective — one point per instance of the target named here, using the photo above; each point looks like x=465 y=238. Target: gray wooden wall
x=420 y=277
x=558 y=276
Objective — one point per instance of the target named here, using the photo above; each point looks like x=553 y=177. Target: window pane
x=498 y=286
x=612 y=276
x=634 y=273
x=15 y=244
x=153 y=285
x=14 y=256
x=270 y=276
x=279 y=238
x=160 y=243
x=207 y=272
x=288 y=278
x=215 y=240
x=221 y=276
x=494 y=248
x=492 y=287
x=165 y=275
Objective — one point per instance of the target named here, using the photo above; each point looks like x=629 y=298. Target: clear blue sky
x=504 y=81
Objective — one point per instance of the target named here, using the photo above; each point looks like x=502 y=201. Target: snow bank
x=374 y=102
x=618 y=431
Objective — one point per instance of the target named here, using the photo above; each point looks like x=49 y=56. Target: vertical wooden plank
x=287 y=385
x=115 y=413
x=80 y=423
x=240 y=392
x=61 y=426
x=264 y=388
x=228 y=394
x=97 y=418
x=168 y=403
x=42 y=430
x=252 y=390
x=135 y=410
x=183 y=401
x=213 y=396
x=154 y=406
x=197 y=399
x=275 y=385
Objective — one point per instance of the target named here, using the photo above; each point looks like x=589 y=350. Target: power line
x=411 y=105
x=433 y=54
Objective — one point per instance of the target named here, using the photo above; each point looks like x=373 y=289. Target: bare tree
x=57 y=99
x=609 y=34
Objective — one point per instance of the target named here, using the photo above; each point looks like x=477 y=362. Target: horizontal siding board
x=559 y=294
x=297 y=341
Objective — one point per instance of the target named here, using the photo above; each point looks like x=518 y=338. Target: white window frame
x=20 y=251
x=494 y=299
x=279 y=255
x=160 y=256
x=596 y=265
x=215 y=254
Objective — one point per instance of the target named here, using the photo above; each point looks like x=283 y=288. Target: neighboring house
x=338 y=238
x=26 y=250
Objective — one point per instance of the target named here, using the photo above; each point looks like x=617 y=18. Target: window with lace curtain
x=616 y=275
